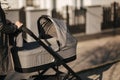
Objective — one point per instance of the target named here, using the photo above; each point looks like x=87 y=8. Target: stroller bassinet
x=31 y=56
x=53 y=28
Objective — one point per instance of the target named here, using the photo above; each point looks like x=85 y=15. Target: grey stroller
x=54 y=47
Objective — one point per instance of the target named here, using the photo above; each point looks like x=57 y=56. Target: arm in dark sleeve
x=8 y=28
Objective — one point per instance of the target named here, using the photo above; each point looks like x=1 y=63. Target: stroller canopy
x=32 y=56
x=56 y=28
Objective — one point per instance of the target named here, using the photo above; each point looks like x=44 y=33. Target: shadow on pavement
x=102 y=58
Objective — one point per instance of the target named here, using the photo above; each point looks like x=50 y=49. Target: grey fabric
x=19 y=40
x=67 y=42
x=32 y=54
x=66 y=47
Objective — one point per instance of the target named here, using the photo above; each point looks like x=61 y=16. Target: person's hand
x=18 y=24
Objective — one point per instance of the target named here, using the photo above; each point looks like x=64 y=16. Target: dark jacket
x=7 y=28
x=7 y=32
x=6 y=39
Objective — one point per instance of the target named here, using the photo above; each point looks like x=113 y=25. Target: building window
x=29 y=3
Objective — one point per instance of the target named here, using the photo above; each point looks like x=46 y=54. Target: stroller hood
x=63 y=34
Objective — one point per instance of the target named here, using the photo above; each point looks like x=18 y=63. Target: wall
x=12 y=15
x=93 y=19
x=31 y=20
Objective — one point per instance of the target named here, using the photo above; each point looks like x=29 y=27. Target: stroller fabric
x=66 y=41
x=30 y=56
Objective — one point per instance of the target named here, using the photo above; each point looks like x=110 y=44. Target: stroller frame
x=58 y=60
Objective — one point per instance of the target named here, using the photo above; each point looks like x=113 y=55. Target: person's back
x=4 y=56
x=7 y=28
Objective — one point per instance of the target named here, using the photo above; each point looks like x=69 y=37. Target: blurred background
x=90 y=18
x=81 y=16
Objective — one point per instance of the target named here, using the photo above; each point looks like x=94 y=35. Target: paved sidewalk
x=95 y=52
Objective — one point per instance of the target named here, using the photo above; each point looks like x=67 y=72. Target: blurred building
x=47 y=4
x=86 y=16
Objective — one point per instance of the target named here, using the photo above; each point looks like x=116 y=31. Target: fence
x=111 y=16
